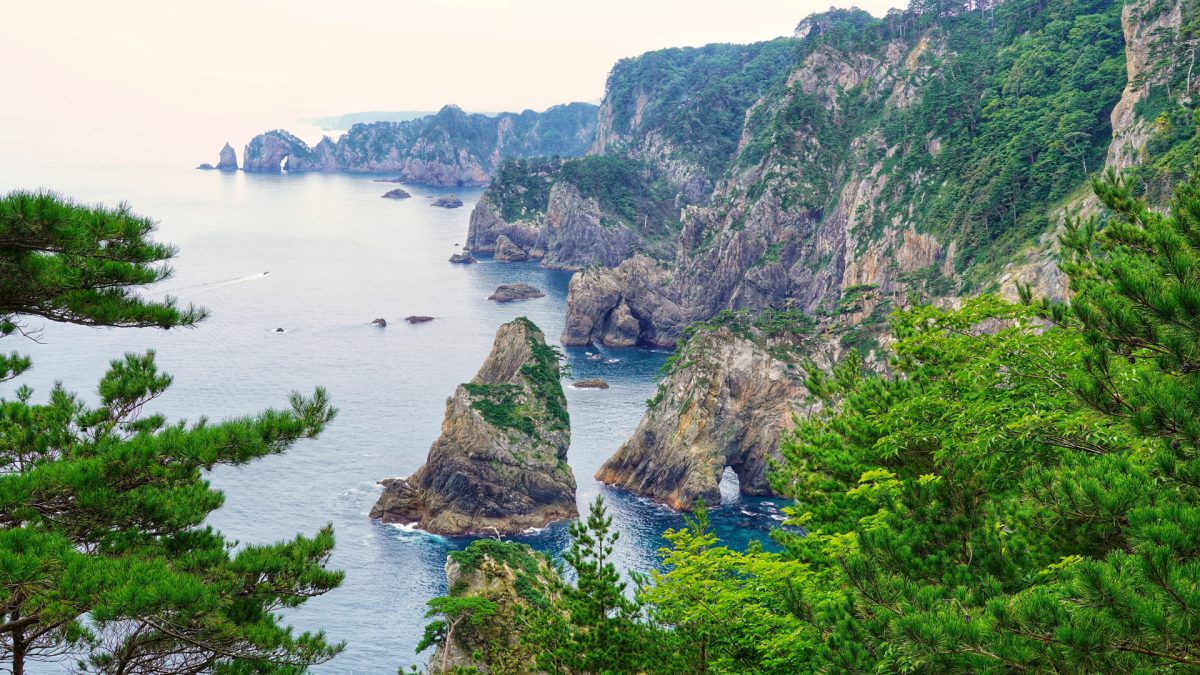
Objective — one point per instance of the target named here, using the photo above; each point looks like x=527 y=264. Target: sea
x=320 y=256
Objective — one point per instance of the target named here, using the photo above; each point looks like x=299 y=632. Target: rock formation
x=418 y=319
x=206 y=167
x=509 y=576
x=228 y=161
x=449 y=148
x=382 y=323
x=500 y=464
x=448 y=202
x=514 y=292
x=398 y=193
x=507 y=251
x=536 y=206
x=591 y=383
x=725 y=403
x=462 y=258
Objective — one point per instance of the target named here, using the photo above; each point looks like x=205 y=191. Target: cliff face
x=574 y=213
x=447 y=149
x=910 y=154
x=727 y=401
x=500 y=462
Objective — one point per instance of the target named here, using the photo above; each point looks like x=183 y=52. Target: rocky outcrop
x=448 y=202
x=622 y=306
x=206 y=167
x=228 y=160
x=416 y=318
x=449 y=148
x=514 y=292
x=591 y=383
x=726 y=403
x=382 y=323
x=398 y=193
x=509 y=577
x=822 y=197
x=538 y=207
x=507 y=251
x=462 y=258
x=500 y=464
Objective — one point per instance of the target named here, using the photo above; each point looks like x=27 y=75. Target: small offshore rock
x=418 y=319
x=513 y=292
x=507 y=251
x=228 y=159
x=389 y=180
x=206 y=167
x=382 y=323
x=448 y=202
x=592 y=383
x=462 y=258
x=279 y=330
x=398 y=193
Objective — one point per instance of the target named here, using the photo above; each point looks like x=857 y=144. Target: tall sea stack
x=500 y=464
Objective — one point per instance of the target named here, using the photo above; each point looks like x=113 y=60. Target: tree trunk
x=18 y=648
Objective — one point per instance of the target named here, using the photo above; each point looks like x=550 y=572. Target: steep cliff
x=930 y=152
x=729 y=394
x=447 y=149
x=576 y=212
x=500 y=464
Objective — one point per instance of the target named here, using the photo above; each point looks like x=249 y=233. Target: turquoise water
x=321 y=256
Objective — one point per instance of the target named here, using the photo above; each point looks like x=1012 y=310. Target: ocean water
x=321 y=256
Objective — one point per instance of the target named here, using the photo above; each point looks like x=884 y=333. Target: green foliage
x=696 y=97
x=71 y=263
x=521 y=187
x=591 y=626
x=103 y=549
x=626 y=189
x=537 y=401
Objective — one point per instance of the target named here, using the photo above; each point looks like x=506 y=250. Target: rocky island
x=727 y=398
x=514 y=292
x=500 y=464
x=448 y=202
x=398 y=193
x=449 y=148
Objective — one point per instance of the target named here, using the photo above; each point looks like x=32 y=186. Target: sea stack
x=500 y=464
x=228 y=161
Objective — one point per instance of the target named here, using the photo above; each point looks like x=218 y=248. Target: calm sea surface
x=321 y=256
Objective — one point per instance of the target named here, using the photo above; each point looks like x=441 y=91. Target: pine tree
x=103 y=547
x=591 y=626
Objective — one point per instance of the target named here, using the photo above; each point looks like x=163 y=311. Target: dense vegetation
x=628 y=192
x=1021 y=494
x=104 y=555
x=696 y=97
x=1013 y=119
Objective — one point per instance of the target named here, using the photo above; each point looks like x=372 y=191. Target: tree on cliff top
x=103 y=550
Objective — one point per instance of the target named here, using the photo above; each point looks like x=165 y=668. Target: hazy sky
x=273 y=61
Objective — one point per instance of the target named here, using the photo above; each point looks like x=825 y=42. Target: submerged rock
x=500 y=464
x=462 y=258
x=418 y=319
x=448 y=202
x=398 y=193
x=382 y=323
x=507 y=251
x=389 y=180
x=513 y=292
x=591 y=383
